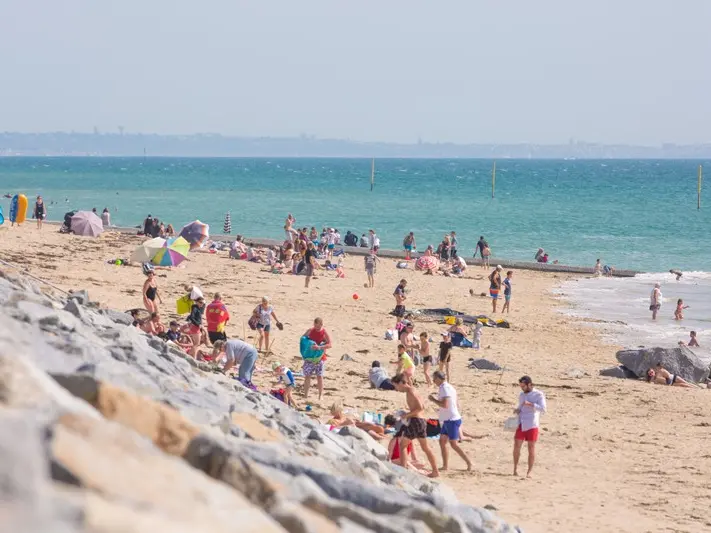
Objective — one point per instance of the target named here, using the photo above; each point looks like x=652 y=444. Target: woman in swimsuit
x=150 y=292
x=661 y=376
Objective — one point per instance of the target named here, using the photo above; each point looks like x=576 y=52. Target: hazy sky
x=633 y=71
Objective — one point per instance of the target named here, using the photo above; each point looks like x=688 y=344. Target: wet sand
x=613 y=455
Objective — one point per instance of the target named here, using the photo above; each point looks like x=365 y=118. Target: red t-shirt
x=318 y=336
x=217 y=316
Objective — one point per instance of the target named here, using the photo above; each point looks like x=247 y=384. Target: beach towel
x=309 y=350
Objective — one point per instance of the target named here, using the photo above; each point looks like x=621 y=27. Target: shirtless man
x=414 y=425
x=288 y=229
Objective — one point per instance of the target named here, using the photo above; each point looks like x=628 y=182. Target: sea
x=632 y=214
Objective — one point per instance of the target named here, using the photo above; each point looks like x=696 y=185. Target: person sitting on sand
x=175 y=336
x=692 y=340
x=153 y=325
x=379 y=378
x=679 y=312
x=661 y=376
x=405 y=365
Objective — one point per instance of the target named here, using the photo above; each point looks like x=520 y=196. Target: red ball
x=355 y=296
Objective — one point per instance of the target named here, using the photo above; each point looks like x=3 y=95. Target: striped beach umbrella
x=147 y=250
x=426 y=262
x=174 y=252
x=228 y=223
x=196 y=233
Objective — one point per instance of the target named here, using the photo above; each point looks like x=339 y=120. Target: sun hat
x=275 y=365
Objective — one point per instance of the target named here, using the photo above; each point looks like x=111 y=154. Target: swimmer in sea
x=677 y=273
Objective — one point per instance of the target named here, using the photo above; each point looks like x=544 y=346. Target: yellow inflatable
x=21 y=208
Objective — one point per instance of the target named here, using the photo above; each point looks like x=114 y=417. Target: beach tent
x=87 y=224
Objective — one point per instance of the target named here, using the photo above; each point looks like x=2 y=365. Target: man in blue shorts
x=449 y=418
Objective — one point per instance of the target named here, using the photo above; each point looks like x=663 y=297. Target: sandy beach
x=613 y=455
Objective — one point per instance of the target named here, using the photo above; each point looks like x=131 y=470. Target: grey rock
x=81 y=297
x=621 y=372
x=349 y=483
x=117 y=317
x=483 y=364
x=680 y=361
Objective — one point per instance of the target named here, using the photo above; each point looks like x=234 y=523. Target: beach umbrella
x=196 y=233
x=174 y=252
x=426 y=262
x=147 y=250
x=228 y=223
x=87 y=224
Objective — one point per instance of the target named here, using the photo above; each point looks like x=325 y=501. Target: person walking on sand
x=409 y=244
x=40 y=212
x=217 y=316
x=400 y=298
x=320 y=336
x=655 y=300
x=531 y=403
x=310 y=263
x=374 y=241
x=414 y=425
x=450 y=420
x=507 y=292
x=370 y=261
x=445 y=353
x=265 y=313
x=495 y=286
x=150 y=289
x=194 y=326
x=480 y=245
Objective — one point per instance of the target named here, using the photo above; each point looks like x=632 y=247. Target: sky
x=463 y=71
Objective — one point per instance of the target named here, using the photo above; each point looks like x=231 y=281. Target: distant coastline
x=64 y=144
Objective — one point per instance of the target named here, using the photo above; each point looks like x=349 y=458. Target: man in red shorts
x=531 y=403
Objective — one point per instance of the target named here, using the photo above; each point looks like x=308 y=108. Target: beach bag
x=278 y=394
x=402 y=264
x=253 y=320
x=309 y=350
x=511 y=423
x=183 y=305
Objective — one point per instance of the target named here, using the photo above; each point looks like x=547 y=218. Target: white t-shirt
x=654 y=298
x=452 y=412
x=374 y=241
x=331 y=238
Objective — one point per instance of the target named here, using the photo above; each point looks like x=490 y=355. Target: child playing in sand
x=175 y=336
x=679 y=313
x=424 y=349
x=286 y=377
x=405 y=365
x=478 y=330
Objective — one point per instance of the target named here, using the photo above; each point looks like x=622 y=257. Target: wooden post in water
x=372 y=174
x=698 y=188
x=493 y=180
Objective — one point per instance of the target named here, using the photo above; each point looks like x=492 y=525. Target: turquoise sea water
x=632 y=214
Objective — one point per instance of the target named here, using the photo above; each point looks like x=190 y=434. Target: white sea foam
x=621 y=307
